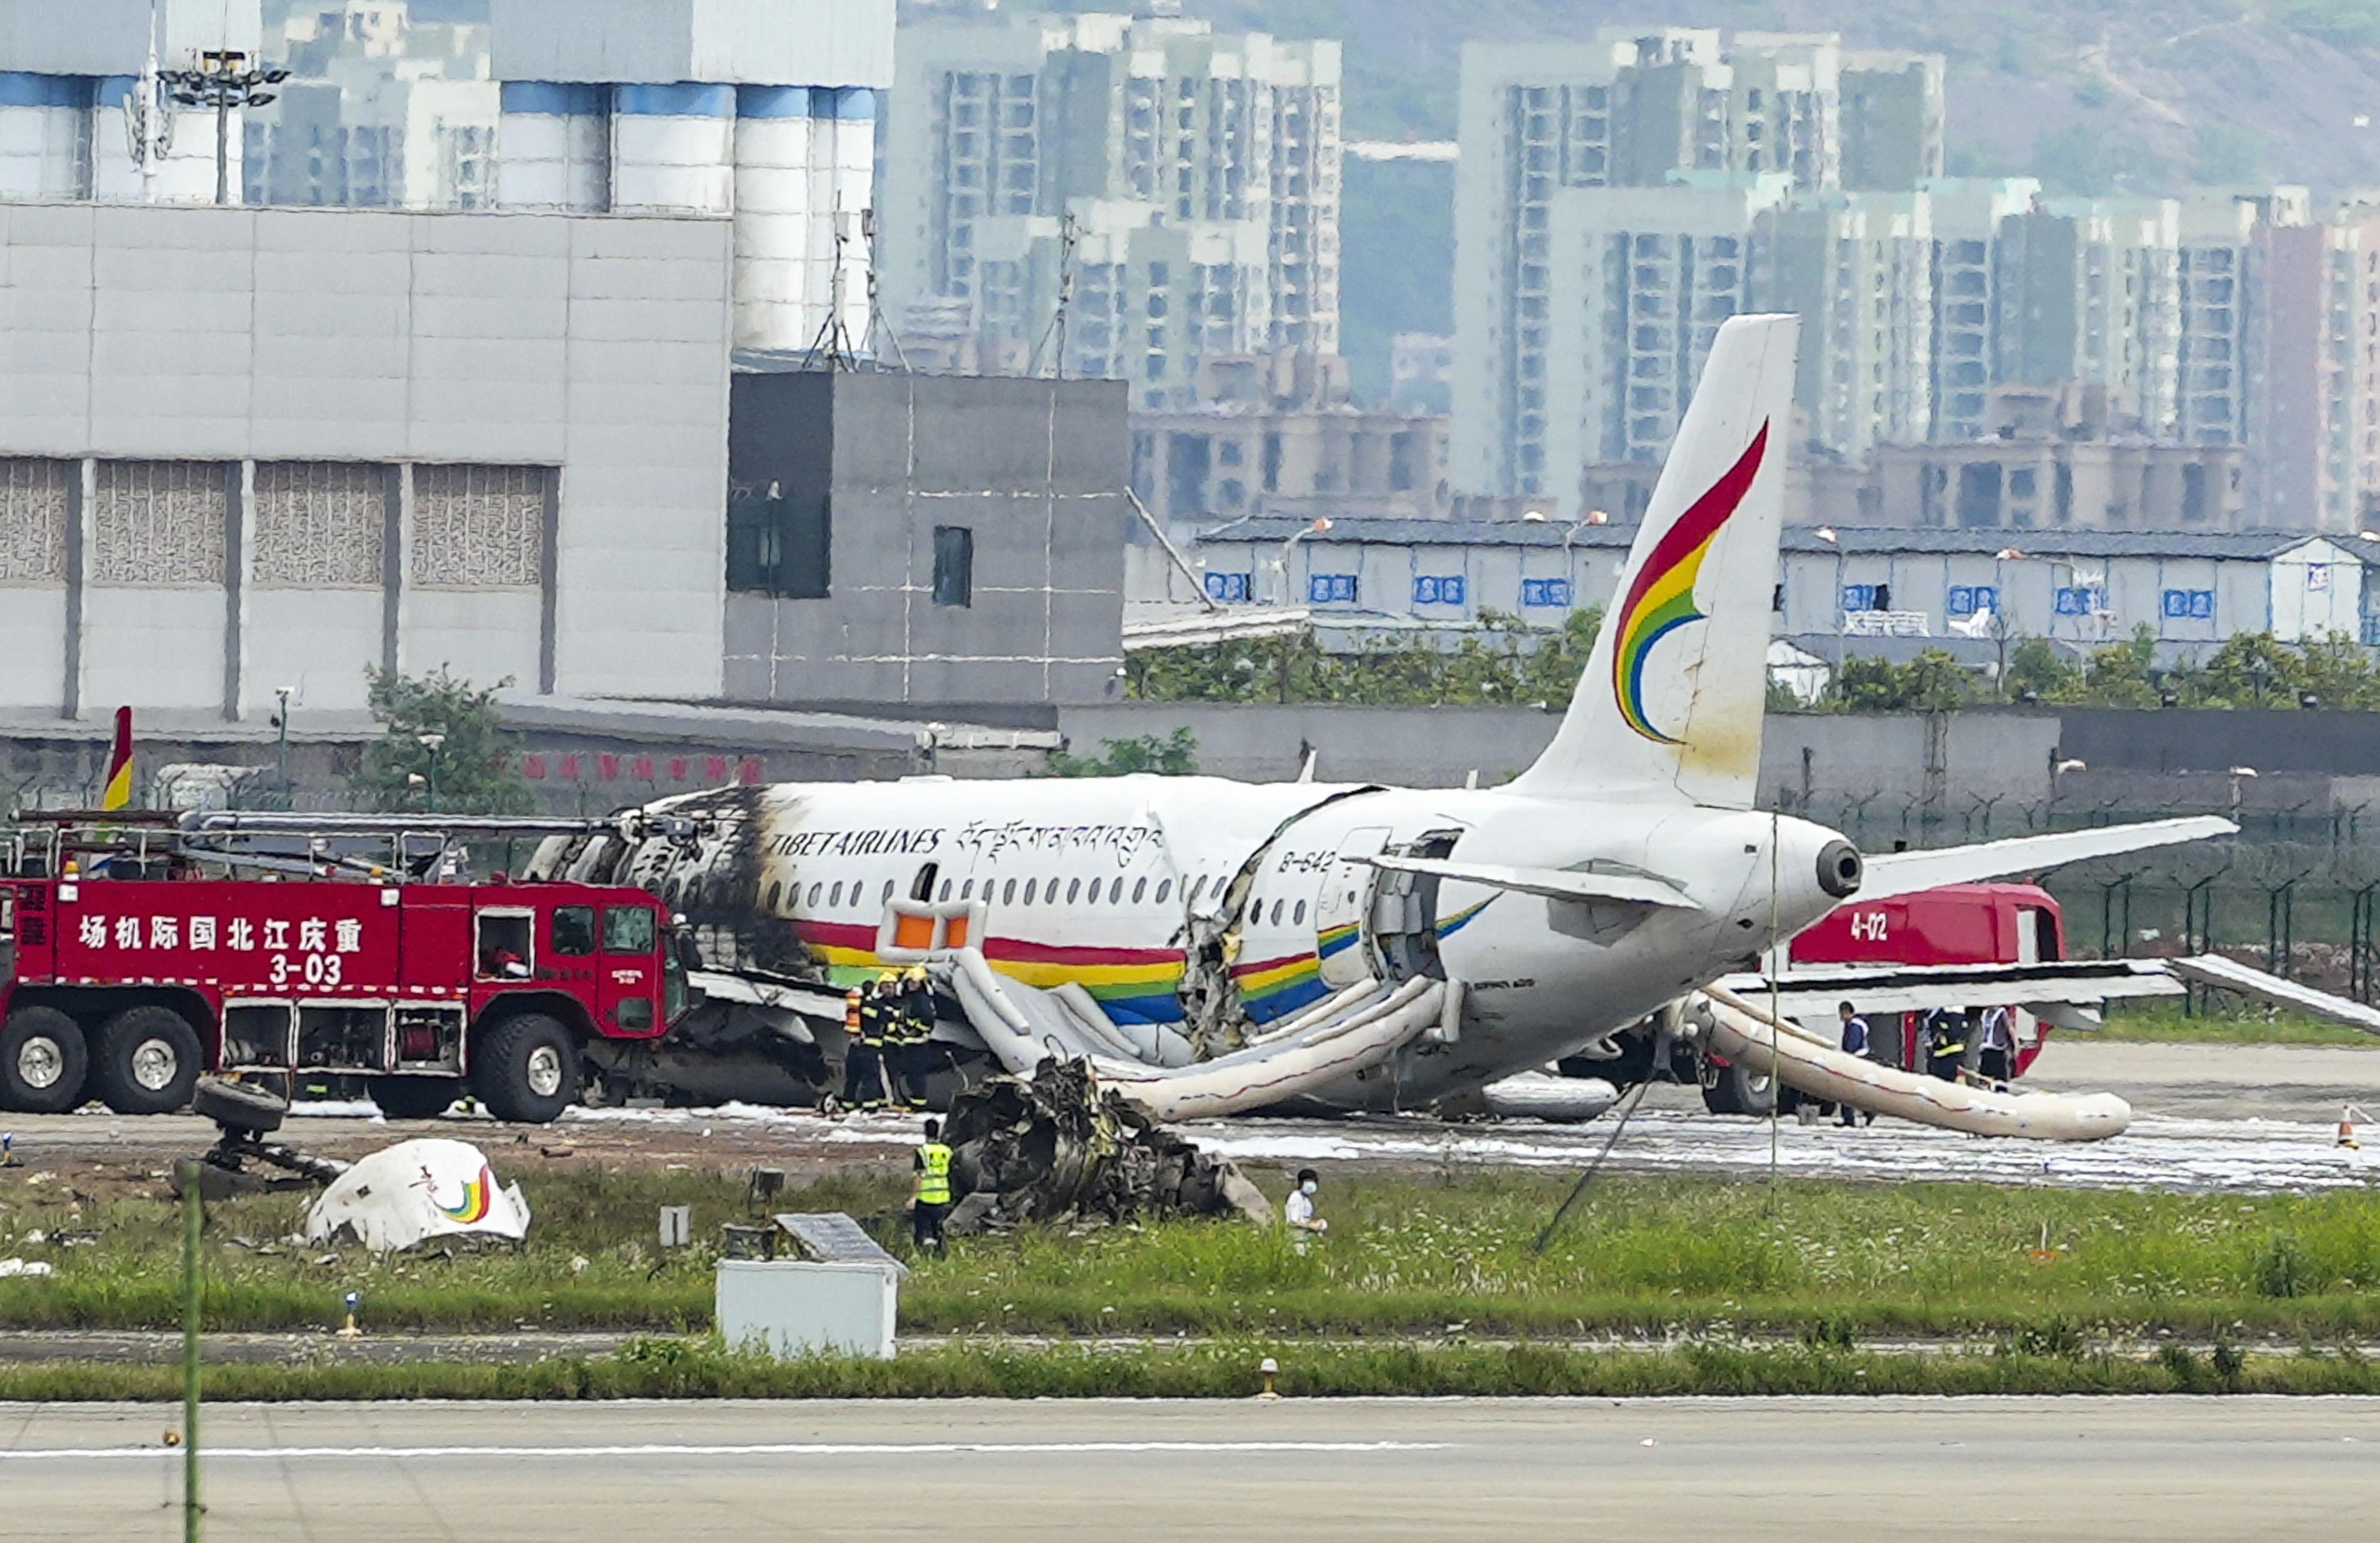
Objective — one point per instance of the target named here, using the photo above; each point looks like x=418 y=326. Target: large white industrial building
x=253 y=448
x=243 y=449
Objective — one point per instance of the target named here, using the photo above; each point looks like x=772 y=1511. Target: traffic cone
x=2346 y=1129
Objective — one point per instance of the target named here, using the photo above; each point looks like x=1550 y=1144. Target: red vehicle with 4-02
x=125 y=989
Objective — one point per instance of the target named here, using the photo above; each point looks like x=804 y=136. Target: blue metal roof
x=1854 y=540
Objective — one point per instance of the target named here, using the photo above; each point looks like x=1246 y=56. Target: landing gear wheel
x=238 y=1106
x=43 y=1061
x=1741 y=1090
x=526 y=1068
x=415 y=1097
x=145 y=1061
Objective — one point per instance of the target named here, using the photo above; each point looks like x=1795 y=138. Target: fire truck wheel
x=42 y=1059
x=145 y=1061
x=525 y=1069
x=415 y=1097
x=1746 y=1089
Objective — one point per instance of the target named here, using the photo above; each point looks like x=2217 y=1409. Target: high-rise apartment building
x=1114 y=196
x=2090 y=293
x=1968 y=215
x=1858 y=268
x=2313 y=373
x=1777 y=115
x=381 y=112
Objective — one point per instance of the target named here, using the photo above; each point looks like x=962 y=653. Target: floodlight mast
x=223 y=81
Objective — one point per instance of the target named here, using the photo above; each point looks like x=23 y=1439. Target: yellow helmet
x=915 y=972
x=887 y=977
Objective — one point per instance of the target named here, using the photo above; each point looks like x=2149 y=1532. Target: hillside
x=2090 y=92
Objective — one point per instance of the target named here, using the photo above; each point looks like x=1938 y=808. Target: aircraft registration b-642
x=1216 y=946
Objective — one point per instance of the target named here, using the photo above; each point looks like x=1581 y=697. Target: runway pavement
x=2178 y=1470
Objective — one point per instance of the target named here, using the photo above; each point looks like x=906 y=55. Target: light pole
x=281 y=721
x=1289 y=549
x=433 y=742
x=221 y=82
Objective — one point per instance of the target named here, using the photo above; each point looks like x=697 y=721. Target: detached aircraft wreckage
x=1215 y=947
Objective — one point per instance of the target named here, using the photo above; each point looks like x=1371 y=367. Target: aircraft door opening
x=1404 y=913
x=1339 y=913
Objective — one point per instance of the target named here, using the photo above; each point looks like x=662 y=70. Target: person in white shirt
x=1998 y=1045
x=1298 y=1213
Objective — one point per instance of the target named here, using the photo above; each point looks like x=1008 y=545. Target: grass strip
x=666 y=1369
x=1407 y=1256
x=2165 y=1022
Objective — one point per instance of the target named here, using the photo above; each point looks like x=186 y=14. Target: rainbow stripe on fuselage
x=1134 y=985
x=1662 y=598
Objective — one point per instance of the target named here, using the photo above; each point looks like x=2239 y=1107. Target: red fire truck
x=1958 y=924
x=128 y=967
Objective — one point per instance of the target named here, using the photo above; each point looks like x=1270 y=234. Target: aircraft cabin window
x=887 y=893
x=1299 y=915
x=1139 y=890
x=1031 y=885
x=966 y=890
x=1074 y=887
x=946 y=890
x=834 y=896
x=1008 y=892
x=1164 y=888
x=817 y=889
x=1275 y=913
x=1197 y=889
x=769 y=905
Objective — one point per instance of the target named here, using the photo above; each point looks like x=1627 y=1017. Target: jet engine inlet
x=1840 y=870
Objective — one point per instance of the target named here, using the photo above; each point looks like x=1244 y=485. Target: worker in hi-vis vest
x=930 y=1201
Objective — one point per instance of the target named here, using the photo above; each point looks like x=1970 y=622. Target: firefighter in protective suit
x=863 y=1064
x=914 y=1052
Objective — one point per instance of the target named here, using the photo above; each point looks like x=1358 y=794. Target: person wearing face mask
x=1299 y=1212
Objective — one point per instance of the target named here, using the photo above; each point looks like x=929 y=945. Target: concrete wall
x=1035 y=469
x=590 y=353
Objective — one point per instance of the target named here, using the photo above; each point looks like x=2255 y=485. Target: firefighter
x=863 y=1077
x=912 y=1061
x=1947 y=1043
x=856 y=1059
x=930 y=1201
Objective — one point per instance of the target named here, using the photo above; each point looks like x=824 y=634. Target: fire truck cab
x=122 y=978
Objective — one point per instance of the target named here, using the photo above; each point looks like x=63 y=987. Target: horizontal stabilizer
x=1554 y=883
x=1891 y=873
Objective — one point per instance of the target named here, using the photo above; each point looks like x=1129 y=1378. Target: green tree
x=1935 y=682
x=446 y=732
x=1867 y=684
x=1176 y=755
x=2251 y=669
x=2037 y=665
x=2122 y=674
x=1502 y=661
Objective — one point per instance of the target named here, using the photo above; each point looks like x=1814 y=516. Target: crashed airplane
x=1215 y=947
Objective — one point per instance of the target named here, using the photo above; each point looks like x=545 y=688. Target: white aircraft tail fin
x=1670 y=704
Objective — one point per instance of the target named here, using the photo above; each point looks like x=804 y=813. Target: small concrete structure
x=790 y=1307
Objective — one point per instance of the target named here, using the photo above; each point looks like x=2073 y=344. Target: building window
x=2189 y=605
x=1231 y=588
x=1968 y=598
x=319 y=525
x=1330 y=588
x=34 y=504
x=160 y=522
x=779 y=546
x=1435 y=590
x=2081 y=601
x=953 y=566
x=1543 y=593
x=480 y=527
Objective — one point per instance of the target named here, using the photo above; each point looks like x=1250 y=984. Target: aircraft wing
x=2066 y=993
x=1891 y=873
x=1554 y=883
x=1809 y=992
